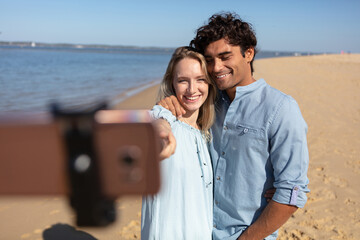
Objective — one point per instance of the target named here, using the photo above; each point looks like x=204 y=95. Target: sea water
x=32 y=78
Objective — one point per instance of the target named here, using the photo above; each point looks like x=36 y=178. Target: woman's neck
x=191 y=118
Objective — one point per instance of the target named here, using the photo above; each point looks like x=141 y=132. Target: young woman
x=183 y=207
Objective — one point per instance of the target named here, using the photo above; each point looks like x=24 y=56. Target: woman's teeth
x=192 y=98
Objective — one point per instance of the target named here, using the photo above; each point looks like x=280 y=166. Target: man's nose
x=217 y=65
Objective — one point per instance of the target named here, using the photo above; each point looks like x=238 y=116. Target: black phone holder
x=86 y=198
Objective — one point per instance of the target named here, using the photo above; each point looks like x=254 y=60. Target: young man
x=259 y=137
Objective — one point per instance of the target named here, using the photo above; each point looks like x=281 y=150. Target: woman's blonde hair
x=207 y=110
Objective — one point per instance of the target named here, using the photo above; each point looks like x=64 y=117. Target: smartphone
x=34 y=158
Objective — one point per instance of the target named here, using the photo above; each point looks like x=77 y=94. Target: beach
x=327 y=89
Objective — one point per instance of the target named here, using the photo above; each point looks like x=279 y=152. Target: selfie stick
x=93 y=156
x=91 y=206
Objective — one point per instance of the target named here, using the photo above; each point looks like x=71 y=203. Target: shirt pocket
x=251 y=142
x=246 y=131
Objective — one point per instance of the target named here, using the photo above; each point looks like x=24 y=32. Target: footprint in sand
x=339 y=182
x=294 y=235
x=354 y=165
x=341 y=234
x=323 y=224
x=349 y=201
x=321 y=195
x=308 y=211
x=331 y=225
x=311 y=200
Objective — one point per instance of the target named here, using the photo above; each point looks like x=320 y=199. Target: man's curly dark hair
x=230 y=27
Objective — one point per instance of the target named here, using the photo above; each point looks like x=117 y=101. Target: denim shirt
x=259 y=142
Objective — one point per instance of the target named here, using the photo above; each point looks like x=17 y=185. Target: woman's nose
x=191 y=87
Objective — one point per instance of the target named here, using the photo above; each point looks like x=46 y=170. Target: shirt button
x=223 y=153
x=218 y=178
x=225 y=127
x=216 y=202
x=296 y=188
x=214 y=225
x=246 y=130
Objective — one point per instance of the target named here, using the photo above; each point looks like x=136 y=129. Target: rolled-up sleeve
x=289 y=154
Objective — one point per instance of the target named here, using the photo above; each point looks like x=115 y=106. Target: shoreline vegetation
x=326 y=88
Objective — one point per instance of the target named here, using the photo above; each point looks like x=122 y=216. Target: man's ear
x=249 y=54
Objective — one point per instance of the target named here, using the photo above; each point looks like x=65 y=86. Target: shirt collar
x=251 y=87
x=242 y=89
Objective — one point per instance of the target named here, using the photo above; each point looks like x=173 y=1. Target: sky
x=286 y=25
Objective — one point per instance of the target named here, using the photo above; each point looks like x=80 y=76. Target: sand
x=327 y=88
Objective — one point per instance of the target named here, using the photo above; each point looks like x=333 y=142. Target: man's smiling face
x=227 y=66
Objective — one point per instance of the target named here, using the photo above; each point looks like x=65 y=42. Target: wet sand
x=327 y=88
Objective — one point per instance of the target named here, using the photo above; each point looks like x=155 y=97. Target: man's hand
x=168 y=141
x=172 y=104
x=269 y=194
x=273 y=217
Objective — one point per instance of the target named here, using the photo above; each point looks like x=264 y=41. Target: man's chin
x=220 y=87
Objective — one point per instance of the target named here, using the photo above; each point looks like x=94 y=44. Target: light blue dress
x=183 y=209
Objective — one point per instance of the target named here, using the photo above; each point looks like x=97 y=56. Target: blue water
x=32 y=78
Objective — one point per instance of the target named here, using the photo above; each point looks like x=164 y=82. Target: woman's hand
x=168 y=141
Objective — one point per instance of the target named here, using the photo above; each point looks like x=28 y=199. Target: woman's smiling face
x=190 y=84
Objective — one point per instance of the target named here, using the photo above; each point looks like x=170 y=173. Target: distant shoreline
x=76 y=46
x=105 y=47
